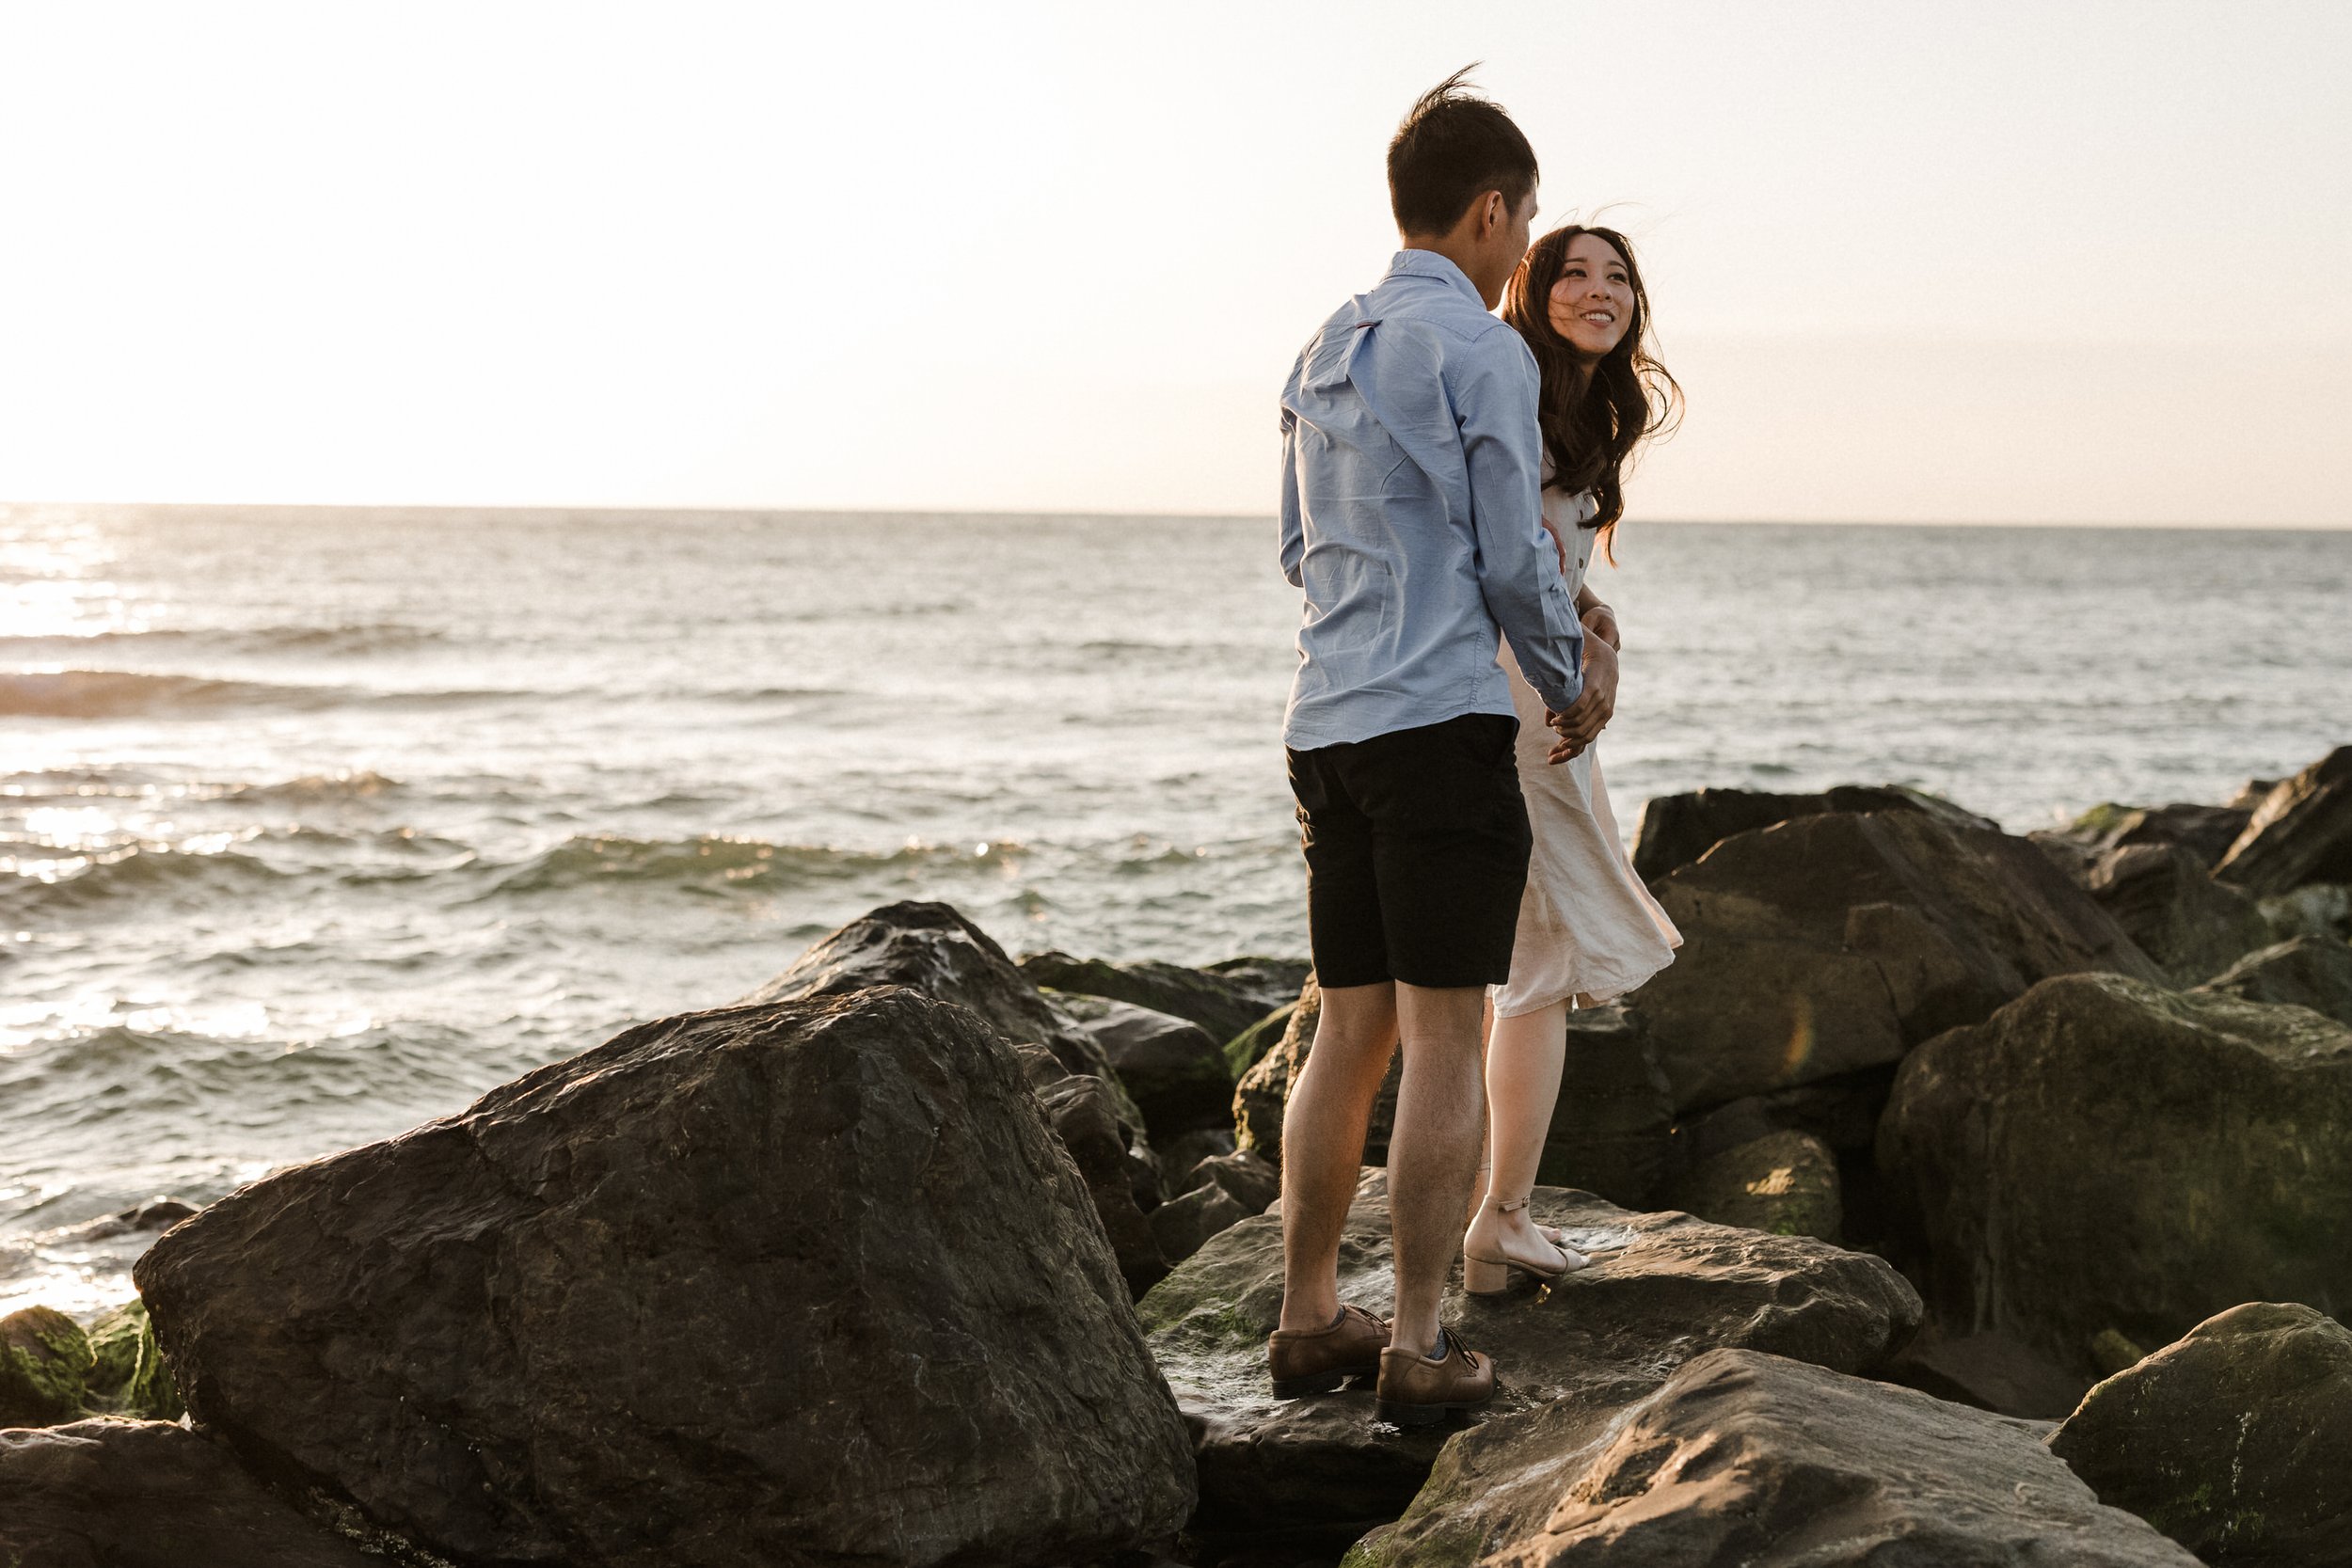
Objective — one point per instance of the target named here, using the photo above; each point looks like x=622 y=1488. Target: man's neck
x=1455 y=249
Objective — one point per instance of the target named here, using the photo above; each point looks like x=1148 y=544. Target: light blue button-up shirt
x=1412 y=515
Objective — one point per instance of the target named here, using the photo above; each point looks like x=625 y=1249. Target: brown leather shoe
x=1418 y=1390
x=1318 y=1360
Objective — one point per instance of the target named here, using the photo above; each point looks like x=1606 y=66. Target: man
x=1412 y=518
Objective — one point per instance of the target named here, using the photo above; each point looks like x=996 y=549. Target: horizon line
x=1066 y=513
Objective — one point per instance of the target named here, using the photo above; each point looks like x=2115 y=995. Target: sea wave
x=125 y=693
x=44 y=882
x=716 y=863
x=363 y=638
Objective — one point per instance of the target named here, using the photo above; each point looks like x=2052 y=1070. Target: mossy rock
x=44 y=1367
x=1784 y=1183
x=1244 y=1050
x=128 y=1376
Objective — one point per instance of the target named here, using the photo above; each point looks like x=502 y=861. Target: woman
x=1588 y=930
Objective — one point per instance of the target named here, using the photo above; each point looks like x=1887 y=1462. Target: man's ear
x=1493 y=215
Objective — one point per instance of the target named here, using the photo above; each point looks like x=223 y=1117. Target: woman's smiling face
x=1592 y=303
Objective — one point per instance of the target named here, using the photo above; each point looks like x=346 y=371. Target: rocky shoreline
x=1972 y=1197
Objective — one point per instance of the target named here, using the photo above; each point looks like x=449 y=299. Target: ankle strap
x=1511 y=1204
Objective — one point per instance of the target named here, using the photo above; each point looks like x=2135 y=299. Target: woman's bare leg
x=1524 y=1057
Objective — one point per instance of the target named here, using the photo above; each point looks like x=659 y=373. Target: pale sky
x=1911 y=261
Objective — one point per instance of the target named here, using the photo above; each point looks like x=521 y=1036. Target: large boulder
x=1746 y=1460
x=106 y=1494
x=794 y=1283
x=2106 y=1155
x=1222 y=1000
x=2304 y=971
x=1674 y=1288
x=1175 y=1072
x=2236 y=1441
x=1678 y=828
x=1832 y=944
x=933 y=950
x=1612 y=1128
x=2301 y=832
x=2193 y=926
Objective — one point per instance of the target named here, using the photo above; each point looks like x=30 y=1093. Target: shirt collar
x=1428 y=263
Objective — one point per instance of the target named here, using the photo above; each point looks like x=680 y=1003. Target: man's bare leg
x=1433 y=1155
x=1323 y=1143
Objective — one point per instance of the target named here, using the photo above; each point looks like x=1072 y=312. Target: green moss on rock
x=44 y=1365
x=128 y=1376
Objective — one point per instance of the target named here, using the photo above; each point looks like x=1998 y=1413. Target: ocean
x=315 y=824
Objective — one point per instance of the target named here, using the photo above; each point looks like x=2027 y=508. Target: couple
x=1445 y=476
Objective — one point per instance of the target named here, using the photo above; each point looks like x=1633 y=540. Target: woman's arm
x=1598 y=618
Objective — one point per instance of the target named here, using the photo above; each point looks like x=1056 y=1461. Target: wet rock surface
x=2205 y=832
x=104 y=1493
x=2305 y=972
x=2106 y=1155
x=1832 y=944
x=1677 y=829
x=786 y=1283
x=1990 y=1371
x=1673 y=1287
x=2300 y=833
x=1747 y=1460
x=2236 y=1441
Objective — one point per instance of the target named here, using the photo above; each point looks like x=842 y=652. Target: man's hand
x=1601 y=622
x=1590 y=714
x=1557 y=542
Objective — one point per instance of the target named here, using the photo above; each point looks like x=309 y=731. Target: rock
x=2205 y=832
x=1990 y=1371
x=1244 y=1050
x=1221 y=1001
x=1180 y=1158
x=1318 y=1468
x=127 y=1374
x=2301 y=832
x=2111 y=1352
x=106 y=1494
x=1747 y=1460
x=934 y=950
x=1677 y=829
x=2103 y=1154
x=1083 y=1115
x=44 y=1367
x=1170 y=1065
x=2167 y=902
x=1842 y=1112
x=1182 y=1226
x=2235 y=1441
x=1783 y=1184
x=1828 y=945
x=1252 y=1182
x=798 y=1282
x=2313 y=910
x=1612 y=1128
x=2305 y=972
x=155 y=1214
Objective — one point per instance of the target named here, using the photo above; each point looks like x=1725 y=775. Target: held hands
x=1601 y=622
x=1590 y=713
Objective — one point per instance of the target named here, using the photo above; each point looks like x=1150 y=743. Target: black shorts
x=1417 y=844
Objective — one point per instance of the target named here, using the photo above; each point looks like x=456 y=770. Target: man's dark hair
x=1454 y=147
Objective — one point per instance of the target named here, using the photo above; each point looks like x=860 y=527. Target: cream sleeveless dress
x=1588 y=929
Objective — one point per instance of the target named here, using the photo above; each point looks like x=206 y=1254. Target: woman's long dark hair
x=1592 y=436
